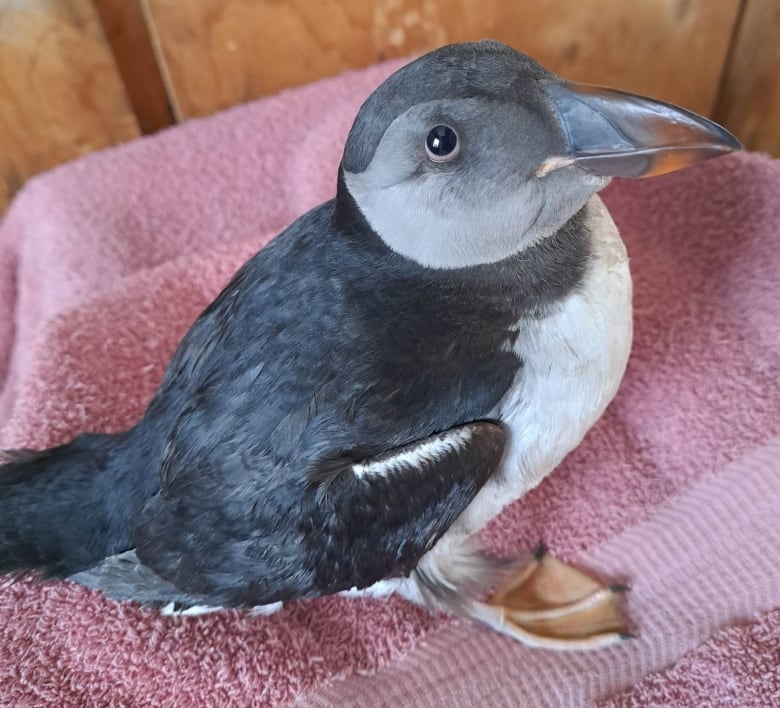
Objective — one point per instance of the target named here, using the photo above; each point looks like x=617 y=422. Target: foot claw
x=619 y=588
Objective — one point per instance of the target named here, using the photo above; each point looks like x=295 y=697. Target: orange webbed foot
x=549 y=604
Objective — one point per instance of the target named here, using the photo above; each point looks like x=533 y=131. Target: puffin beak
x=615 y=134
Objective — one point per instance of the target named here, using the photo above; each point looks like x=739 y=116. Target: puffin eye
x=442 y=143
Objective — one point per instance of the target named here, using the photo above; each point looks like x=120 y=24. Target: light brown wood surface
x=60 y=93
x=670 y=49
x=222 y=52
x=125 y=28
x=749 y=103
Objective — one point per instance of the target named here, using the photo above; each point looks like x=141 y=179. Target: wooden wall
x=78 y=75
x=221 y=52
x=60 y=94
x=749 y=99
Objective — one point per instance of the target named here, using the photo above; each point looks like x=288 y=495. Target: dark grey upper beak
x=616 y=134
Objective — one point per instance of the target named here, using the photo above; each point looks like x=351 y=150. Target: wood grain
x=749 y=102
x=60 y=94
x=670 y=49
x=125 y=27
x=221 y=52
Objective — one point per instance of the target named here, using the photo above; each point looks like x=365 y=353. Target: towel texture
x=739 y=666
x=105 y=262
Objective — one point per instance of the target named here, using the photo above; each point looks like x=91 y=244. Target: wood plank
x=749 y=102
x=670 y=49
x=60 y=94
x=221 y=52
x=125 y=27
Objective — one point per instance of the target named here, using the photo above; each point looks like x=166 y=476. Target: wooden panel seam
x=127 y=32
x=159 y=56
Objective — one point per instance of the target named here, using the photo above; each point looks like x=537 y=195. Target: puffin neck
x=530 y=280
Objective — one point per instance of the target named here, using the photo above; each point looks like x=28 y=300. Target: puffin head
x=474 y=152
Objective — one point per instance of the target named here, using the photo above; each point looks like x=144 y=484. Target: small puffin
x=398 y=365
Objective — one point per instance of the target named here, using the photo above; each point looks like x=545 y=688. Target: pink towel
x=105 y=262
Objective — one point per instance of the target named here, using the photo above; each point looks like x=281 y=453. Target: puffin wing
x=379 y=516
x=228 y=536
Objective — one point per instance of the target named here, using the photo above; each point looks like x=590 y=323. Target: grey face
x=491 y=197
x=532 y=150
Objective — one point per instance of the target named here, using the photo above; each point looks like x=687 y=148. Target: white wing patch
x=170 y=610
x=415 y=456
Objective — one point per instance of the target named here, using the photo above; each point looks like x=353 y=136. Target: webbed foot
x=551 y=605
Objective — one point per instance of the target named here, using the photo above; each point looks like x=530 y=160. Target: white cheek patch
x=409 y=218
x=415 y=456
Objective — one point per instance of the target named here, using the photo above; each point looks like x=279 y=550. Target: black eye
x=442 y=143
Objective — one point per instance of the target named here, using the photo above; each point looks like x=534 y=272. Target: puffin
x=382 y=379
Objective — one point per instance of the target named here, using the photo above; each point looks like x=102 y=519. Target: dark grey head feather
x=485 y=69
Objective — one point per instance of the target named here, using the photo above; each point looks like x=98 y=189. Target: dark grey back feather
x=326 y=346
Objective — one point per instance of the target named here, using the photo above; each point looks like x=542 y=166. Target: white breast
x=573 y=362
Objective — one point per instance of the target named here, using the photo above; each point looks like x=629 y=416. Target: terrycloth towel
x=105 y=262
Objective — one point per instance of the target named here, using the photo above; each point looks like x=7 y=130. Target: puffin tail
x=64 y=509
